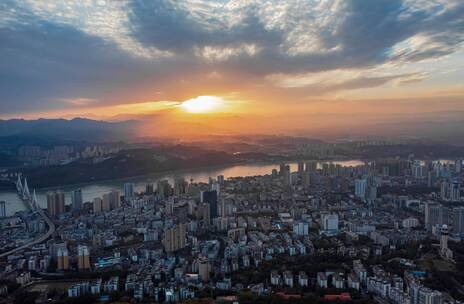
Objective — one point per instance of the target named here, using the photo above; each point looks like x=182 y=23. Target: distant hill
x=78 y=129
x=127 y=163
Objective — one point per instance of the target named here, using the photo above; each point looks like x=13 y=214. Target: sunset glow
x=215 y=67
x=202 y=104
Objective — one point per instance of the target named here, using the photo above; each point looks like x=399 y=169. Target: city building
x=83 y=258
x=97 y=205
x=432 y=215
x=62 y=259
x=128 y=191
x=149 y=188
x=458 y=220
x=2 y=209
x=455 y=191
x=76 y=199
x=301 y=228
x=330 y=223
x=174 y=238
x=204 y=269
x=360 y=188
x=211 y=198
x=55 y=203
x=410 y=222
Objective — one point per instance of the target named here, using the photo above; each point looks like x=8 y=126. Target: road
x=40 y=239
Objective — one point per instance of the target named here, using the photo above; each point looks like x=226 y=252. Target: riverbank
x=95 y=189
x=192 y=170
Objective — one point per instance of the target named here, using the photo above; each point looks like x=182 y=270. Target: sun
x=202 y=104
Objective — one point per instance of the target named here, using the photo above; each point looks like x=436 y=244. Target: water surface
x=97 y=189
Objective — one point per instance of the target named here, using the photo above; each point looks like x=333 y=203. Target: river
x=96 y=189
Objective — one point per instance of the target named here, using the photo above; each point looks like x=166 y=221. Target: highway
x=40 y=239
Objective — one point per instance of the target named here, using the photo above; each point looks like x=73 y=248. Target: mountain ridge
x=79 y=129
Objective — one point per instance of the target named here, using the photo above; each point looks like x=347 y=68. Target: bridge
x=31 y=202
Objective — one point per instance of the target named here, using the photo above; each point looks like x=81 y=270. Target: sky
x=292 y=66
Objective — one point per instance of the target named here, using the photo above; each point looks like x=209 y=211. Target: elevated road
x=34 y=207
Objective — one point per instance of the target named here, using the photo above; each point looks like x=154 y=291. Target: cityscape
x=232 y=151
x=384 y=230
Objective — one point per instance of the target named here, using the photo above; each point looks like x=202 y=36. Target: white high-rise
x=458 y=220
x=128 y=191
x=76 y=199
x=455 y=191
x=330 y=222
x=301 y=228
x=360 y=188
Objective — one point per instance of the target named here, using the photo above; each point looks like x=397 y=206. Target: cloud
x=107 y=20
x=314 y=84
x=54 y=50
x=41 y=62
x=80 y=101
x=301 y=35
x=339 y=80
x=222 y=54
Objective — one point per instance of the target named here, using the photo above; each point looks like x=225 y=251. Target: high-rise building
x=224 y=208
x=458 y=166
x=174 y=238
x=301 y=228
x=360 y=186
x=106 y=202
x=62 y=259
x=180 y=186
x=210 y=197
x=128 y=191
x=306 y=179
x=430 y=178
x=423 y=295
x=432 y=215
x=204 y=211
x=115 y=199
x=163 y=188
x=330 y=222
x=419 y=170
x=97 y=205
x=301 y=168
x=455 y=191
x=286 y=175
x=445 y=216
x=216 y=187
x=55 y=203
x=372 y=193
x=311 y=166
x=111 y=201
x=32 y=263
x=444 y=190
x=76 y=199
x=282 y=168
x=149 y=189
x=204 y=269
x=2 y=209
x=83 y=258
x=169 y=206
x=458 y=220
x=450 y=191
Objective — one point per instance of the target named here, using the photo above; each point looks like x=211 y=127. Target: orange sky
x=295 y=69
